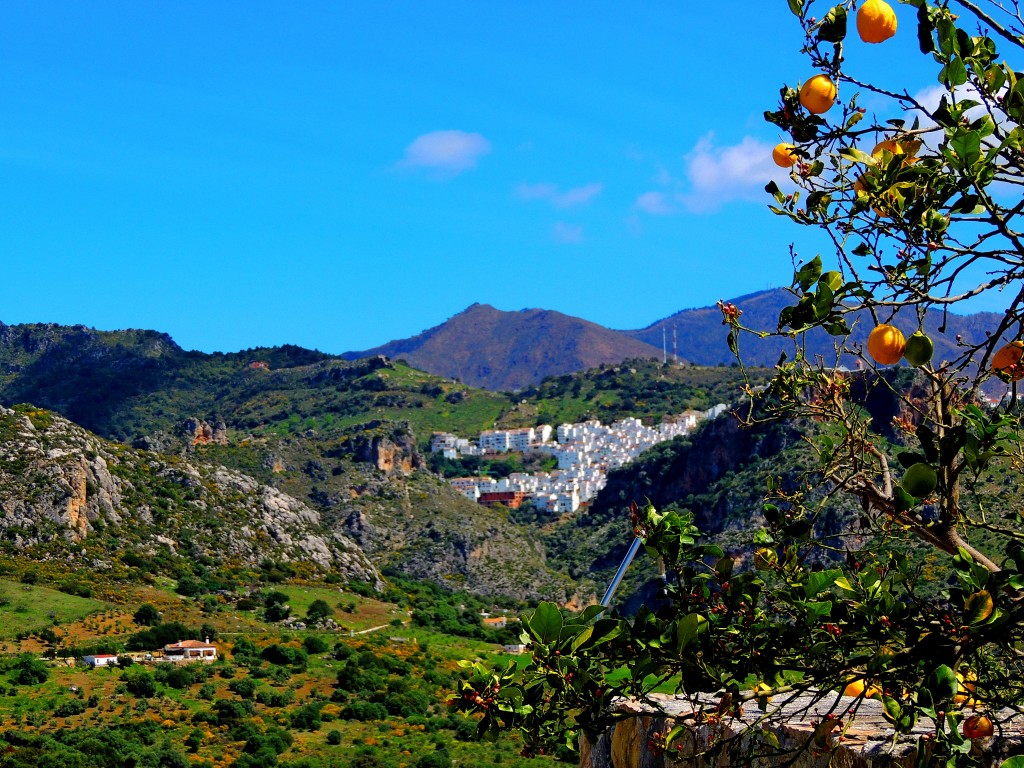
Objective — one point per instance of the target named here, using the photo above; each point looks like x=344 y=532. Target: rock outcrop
x=199 y=432
x=61 y=486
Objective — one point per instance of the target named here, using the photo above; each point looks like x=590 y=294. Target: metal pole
x=617 y=579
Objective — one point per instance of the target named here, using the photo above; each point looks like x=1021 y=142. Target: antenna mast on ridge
x=675 y=347
x=664 y=349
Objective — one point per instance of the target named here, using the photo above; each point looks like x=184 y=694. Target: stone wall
x=801 y=731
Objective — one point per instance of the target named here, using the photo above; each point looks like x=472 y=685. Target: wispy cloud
x=552 y=194
x=567 y=233
x=712 y=175
x=719 y=174
x=445 y=154
x=655 y=203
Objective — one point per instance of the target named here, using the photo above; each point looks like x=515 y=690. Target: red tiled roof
x=190 y=644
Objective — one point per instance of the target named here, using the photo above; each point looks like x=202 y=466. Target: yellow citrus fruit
x=978 y=727
x=919 y=349
x=876 y=21
x=969 y=683
x=886 y=344
x=783 y=155
x=904 y=149
x=818 y=94
x=856 y=688
x=1008 y=360
x=861 y=191
x=765 y=558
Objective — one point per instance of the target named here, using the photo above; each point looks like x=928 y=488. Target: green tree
x=28 y=670
x=318 y=611
x=139 y=682
x=146 y=615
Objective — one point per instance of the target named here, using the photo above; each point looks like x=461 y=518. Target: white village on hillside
x=585 y=453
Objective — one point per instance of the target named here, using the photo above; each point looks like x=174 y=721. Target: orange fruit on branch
x=818 y=94
x=978 y=727
x=1008 y=360
x=876 y=21
x=783 y=155
x=886 y=344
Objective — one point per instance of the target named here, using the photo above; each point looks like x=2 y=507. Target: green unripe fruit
x=920 y=480
x=919 y=350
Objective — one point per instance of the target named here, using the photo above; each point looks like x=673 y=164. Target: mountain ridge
x=498 y=350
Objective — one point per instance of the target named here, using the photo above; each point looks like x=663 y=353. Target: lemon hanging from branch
x=876 y=21
x=818 y=94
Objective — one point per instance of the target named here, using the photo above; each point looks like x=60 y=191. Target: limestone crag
x=61 y=485
x=201 y=433
x=389 y=447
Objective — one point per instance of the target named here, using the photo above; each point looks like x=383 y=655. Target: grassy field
x=26 y=608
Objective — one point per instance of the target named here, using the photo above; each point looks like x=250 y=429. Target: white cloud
x=656 y=203
x=445 y=153
x=551 y=193
x=567 y=233
x=712 y=175
x=720 y=174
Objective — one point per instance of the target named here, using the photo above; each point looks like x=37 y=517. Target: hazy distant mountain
x=702 y=337
x=486 y=347
x=497 y=350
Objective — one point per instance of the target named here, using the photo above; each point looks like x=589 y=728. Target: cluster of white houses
x=585 y=453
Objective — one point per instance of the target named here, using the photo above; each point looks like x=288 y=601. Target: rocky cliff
x=63 y=489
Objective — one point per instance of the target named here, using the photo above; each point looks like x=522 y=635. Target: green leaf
x=833 y=280
x=858 y=156
x=927 y=439
x=773 y=189
x=818 y=609
x=904 y=501
x=602 y=632
x=1013 y=762
x=546 y=623
x=942 y=686
x=819 y=581
x=796 y=7
x=724 y=567
x=978 y=607
x=833 y=27
x=808 y=274
x=924 y=29
x=686 y=630
x=967 y=147
x=823 y=300
x=908 y=459
x=954 y=73
x=891 y=709
x=845 y=586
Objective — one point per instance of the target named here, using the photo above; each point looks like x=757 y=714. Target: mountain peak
x=498 y=350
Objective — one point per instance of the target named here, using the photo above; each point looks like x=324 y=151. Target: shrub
x=139 y=682
x=244 y=687
x=318 y=611
x=147 y=615
x=315 y=644
x=28 y=670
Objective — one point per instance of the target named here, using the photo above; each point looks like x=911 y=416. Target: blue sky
x=337 y=175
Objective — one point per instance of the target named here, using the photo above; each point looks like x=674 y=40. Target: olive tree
x=920 y=202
